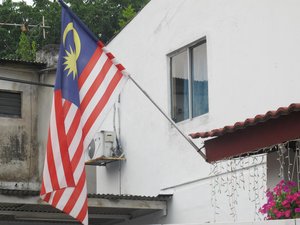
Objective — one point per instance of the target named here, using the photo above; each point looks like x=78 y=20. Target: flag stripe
x=57 y=196
x=74 y=145
x=47 y=197
x=69 y=115
x=95 y=85
x=89 y=67
x=64 y=198
x=74 y=126
x=51 y=166
x=77 y=155
x=104 y=112
x=47 y=182
x=98 y=95
x=97 y=110
x=93 y=75
x=74 y=196
x=83 y=212
x=81 y=200
x=61 y=156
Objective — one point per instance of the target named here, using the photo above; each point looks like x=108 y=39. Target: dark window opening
x=10 y=104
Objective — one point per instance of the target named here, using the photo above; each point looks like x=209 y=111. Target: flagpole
x=169 y=119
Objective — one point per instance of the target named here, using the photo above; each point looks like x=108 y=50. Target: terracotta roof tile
x=248 y=122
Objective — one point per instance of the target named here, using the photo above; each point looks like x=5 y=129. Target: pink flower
x=297 y=210
x=292 y=183
x=279 y=214
x=283 y=202
x=287 y=213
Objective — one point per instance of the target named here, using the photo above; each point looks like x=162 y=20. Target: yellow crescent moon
x=77 y=43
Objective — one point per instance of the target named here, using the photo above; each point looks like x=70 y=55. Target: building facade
x=207 y=64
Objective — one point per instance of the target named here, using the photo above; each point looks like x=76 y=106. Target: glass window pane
x=200 y=81
x=180 y=87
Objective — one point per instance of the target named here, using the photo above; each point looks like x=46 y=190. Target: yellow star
x=70 y=62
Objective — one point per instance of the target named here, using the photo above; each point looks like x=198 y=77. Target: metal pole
x=18 y=25
x=169 y=119
x=43 y=23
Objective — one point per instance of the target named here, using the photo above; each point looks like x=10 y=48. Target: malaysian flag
x=88 y=82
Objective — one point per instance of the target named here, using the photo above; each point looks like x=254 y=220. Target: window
x=10 y=104
x=189 y=83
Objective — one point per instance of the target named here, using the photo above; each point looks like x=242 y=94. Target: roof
x=106 y=209
x=8 y=60
x=33 y=193
x=261 y=118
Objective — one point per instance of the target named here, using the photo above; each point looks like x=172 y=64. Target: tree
x=127 y=14
x=104 y=17
x=26 y=50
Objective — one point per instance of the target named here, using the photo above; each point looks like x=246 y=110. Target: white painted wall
x=253 y=55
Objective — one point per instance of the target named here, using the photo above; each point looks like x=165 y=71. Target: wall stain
x=15 y=149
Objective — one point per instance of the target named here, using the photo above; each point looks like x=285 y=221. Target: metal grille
x=10 y=104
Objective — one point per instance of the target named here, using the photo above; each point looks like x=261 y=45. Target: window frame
x=188 y=49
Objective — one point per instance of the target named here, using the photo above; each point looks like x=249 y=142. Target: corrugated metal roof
x=106 y=209
x=8 y=60
x=15 y=192
x=282 y=111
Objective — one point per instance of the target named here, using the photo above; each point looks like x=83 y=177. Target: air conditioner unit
x=103 y=145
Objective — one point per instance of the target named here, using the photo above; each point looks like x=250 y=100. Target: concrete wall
x=252 y=54
x=18 y=136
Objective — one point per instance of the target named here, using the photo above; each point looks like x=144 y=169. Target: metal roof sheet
x=22 y=61
x=106 y=209
x=16 y=192
x=261 y=118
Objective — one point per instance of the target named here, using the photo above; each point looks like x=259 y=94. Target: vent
x=10 y=104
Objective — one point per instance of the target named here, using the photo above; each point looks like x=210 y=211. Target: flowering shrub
x=283 y=201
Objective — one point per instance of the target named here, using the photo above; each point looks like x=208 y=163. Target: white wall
x=252 y=51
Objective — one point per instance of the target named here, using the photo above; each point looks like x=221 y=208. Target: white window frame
x=188 y=49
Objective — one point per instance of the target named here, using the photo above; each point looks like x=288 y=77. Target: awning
x=253 y=134
x=25 y=206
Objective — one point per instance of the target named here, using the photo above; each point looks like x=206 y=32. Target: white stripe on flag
x=70 y=116
x=99 y=94
x=56 y=150
x=104 y=112
x=79 y=204
x=46 y=177
x=92 y=76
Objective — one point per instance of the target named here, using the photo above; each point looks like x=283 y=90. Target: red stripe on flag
x=100 y=44
x=120 y=67
x=63 y=145
x=77 y=155
x=74 y=126
x=43 y=190
x=110 y=55
x=101 y=104
x=57 y=196
x=83 y=211
x=96 y=84
x=74 y=196
x=66 y=106
x=51 y=165
x=47 y=197
x=89 y=67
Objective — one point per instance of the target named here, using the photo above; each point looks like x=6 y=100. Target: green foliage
x=26 y=50
x=104 y=17
x=127 y=14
